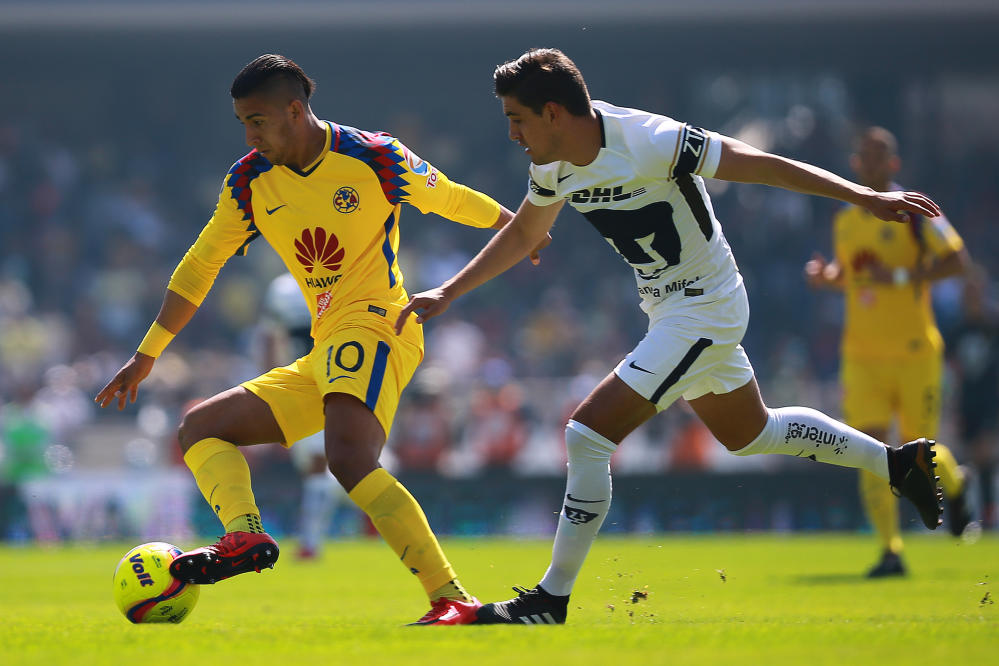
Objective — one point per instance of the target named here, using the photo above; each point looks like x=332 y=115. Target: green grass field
x=711 y=600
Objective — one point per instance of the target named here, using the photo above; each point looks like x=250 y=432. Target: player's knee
x=737 y=436
x=350 y=461
x=586 y=445
x=190 y=431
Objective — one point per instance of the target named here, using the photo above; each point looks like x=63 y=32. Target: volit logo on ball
x=345 y=200
x=316 y=248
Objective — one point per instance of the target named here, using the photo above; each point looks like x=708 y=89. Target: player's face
x=268 y=126
x=874 y=163
x=531 y=130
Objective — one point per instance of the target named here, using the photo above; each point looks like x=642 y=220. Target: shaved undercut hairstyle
x=270 y=74
x=541 y=76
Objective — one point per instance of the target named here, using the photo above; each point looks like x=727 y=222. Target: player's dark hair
x=541 y=76
x=269 y=73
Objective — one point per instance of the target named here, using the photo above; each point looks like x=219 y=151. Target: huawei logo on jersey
x=316 y=249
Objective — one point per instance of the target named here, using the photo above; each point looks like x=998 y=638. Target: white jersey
x=645 y=194
x=285 y=307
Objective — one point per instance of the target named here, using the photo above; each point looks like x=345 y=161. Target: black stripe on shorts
x=681 y=367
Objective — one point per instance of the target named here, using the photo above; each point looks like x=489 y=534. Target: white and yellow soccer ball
x=145 y=591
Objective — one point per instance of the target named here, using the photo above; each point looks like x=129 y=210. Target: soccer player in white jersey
x=637 y=177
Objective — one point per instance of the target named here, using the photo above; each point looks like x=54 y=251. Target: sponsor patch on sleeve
x=540 y=191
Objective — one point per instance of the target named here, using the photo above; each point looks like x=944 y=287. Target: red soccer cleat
x=449 y=611
x=233 y=554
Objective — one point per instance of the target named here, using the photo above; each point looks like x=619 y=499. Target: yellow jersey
x=335 y=224
x=885 y=321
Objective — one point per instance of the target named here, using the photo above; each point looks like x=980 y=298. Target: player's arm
x=431 y=191
x=468 y=206
x=503 y=219
x=225 y=234
x=949 y=265
x=174 y=314
x=526 y=231
x=741 y=163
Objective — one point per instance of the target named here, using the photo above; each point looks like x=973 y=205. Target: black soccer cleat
x=911 y=475
x=235 y=553
x=890 y=565
x=534 y=606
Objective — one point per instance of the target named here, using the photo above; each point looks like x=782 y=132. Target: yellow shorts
x=364 y=359
x=876 y=392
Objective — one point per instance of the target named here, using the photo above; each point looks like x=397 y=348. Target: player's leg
x=363 y=371
x=745 y=426
x=209 y=436
x=920 y=382
x=870 y=403
x=881 y=509
x=604 y=418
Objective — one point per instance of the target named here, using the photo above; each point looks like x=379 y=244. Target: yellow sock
x=882 y=510
x=223 y=477
x=402 y=523
x=248 y=522
x=951 y=478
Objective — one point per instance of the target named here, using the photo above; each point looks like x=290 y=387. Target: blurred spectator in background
x=424 y=430
x=892 y=367
x=975 y=355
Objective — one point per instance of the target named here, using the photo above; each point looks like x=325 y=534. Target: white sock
x=320 y=496
x=808 y=433
x=587 y=500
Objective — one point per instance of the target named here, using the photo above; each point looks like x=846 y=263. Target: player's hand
x=815 y=270
x=426 y=304
x=535 y=255
x=822 y=274
x=125 y=385
x=900 y=206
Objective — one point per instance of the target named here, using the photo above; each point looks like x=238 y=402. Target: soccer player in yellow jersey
x=327 y=198
x=892 y=351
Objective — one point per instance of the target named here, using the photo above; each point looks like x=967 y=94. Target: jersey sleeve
x=430 y=191
x=680 y=150
x=541 y=185
x=941 y=237
x=227 y=233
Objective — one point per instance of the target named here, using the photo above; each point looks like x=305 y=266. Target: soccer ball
x=144 y=589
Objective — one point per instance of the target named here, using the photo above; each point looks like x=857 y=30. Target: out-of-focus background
x=116 y=129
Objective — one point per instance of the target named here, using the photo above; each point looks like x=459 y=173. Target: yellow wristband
x=156 y=340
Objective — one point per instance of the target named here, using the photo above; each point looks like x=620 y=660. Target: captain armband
x=156 y=340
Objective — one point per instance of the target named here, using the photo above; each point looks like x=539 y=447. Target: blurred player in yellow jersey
x=892 y=351
x=327 y=198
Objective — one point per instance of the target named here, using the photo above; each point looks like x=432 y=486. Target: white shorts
x=690 y=351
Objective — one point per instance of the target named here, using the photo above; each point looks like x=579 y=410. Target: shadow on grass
x=832 y=579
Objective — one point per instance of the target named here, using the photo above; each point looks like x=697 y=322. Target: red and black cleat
x=449 y=611
x=233 y=554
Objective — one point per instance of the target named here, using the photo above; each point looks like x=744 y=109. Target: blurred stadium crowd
x=92 y=224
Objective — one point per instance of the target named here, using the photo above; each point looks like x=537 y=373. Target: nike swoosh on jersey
x=573 y=499
x=333 y=379
x=566 y=176
x=271 y=211
x=639 y=368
